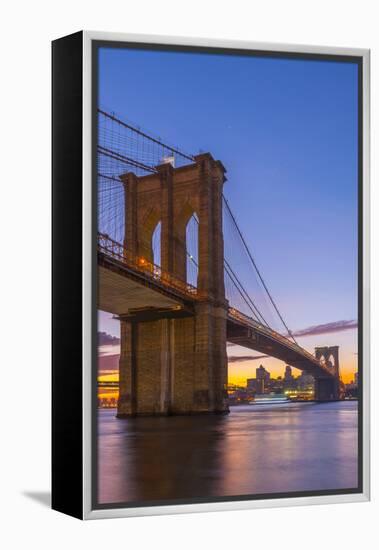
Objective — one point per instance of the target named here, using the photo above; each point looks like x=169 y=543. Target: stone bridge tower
x=176 y=365
x=327 y=389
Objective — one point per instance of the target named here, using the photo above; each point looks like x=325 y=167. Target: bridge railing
x=266 y=330
x=116 y=250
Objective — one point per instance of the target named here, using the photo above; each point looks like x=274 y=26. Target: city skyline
x=288 y=379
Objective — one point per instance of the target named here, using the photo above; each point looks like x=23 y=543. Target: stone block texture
x=177 y=366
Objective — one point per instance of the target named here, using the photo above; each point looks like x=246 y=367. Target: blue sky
x=286 y=130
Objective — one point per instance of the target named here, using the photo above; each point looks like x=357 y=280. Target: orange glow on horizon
x=240 y=371
x=347 y=376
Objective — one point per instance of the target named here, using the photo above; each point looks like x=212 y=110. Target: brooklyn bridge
x=175 y=269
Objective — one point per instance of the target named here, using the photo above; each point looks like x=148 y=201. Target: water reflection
x=254 y=450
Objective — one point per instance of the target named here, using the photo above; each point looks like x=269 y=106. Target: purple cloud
x=335 y=326
x=105 y=339
x=242 y=358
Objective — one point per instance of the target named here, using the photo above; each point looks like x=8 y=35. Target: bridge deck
x=121 y=289
x=126 y=284
x=245 y=332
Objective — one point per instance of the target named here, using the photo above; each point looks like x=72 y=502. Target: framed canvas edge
x=88 y=511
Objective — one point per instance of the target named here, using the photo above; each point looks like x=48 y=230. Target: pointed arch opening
x=156 y=244
x=192 y=250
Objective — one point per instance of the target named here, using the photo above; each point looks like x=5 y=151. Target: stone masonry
x=177 y=365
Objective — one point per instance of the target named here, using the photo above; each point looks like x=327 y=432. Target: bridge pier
x=144 y=367
x=327 y=389
x=174 y=366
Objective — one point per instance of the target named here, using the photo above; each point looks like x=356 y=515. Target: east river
x=256 y=449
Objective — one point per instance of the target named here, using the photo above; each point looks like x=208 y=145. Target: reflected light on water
x=253 y=450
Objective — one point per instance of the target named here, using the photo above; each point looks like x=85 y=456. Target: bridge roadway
x=126 y=283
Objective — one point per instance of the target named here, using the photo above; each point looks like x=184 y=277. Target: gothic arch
x=192 y=250
x=185 y=214
x=150 y=221
x=329 y=355
x=156 y=244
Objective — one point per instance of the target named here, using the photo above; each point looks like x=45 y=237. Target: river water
x=253 y=450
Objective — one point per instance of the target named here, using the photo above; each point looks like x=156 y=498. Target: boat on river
x=269 y=399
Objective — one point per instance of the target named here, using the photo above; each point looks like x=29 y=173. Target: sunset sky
x=286 y=131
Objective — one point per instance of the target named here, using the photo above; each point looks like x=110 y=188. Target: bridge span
x=177 y=317
x=147 y=293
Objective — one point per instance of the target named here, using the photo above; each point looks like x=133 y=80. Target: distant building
x=289 y=379
x=288 y=373
x=262 y=373
x=262 y=379
x=356 y=378
x=261 y=384
x=251 y=385
x=276 y=385
x=305 y=382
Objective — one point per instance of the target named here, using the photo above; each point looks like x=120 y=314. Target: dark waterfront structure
x=174 y=334
x=327 y=386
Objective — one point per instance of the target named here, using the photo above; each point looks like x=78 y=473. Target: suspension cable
x=143 y=134
x=240 y=288
x=117 y=156
x=242 y=291
x=257 y=270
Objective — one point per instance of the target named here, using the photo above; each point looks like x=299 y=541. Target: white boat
x=269 y=399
